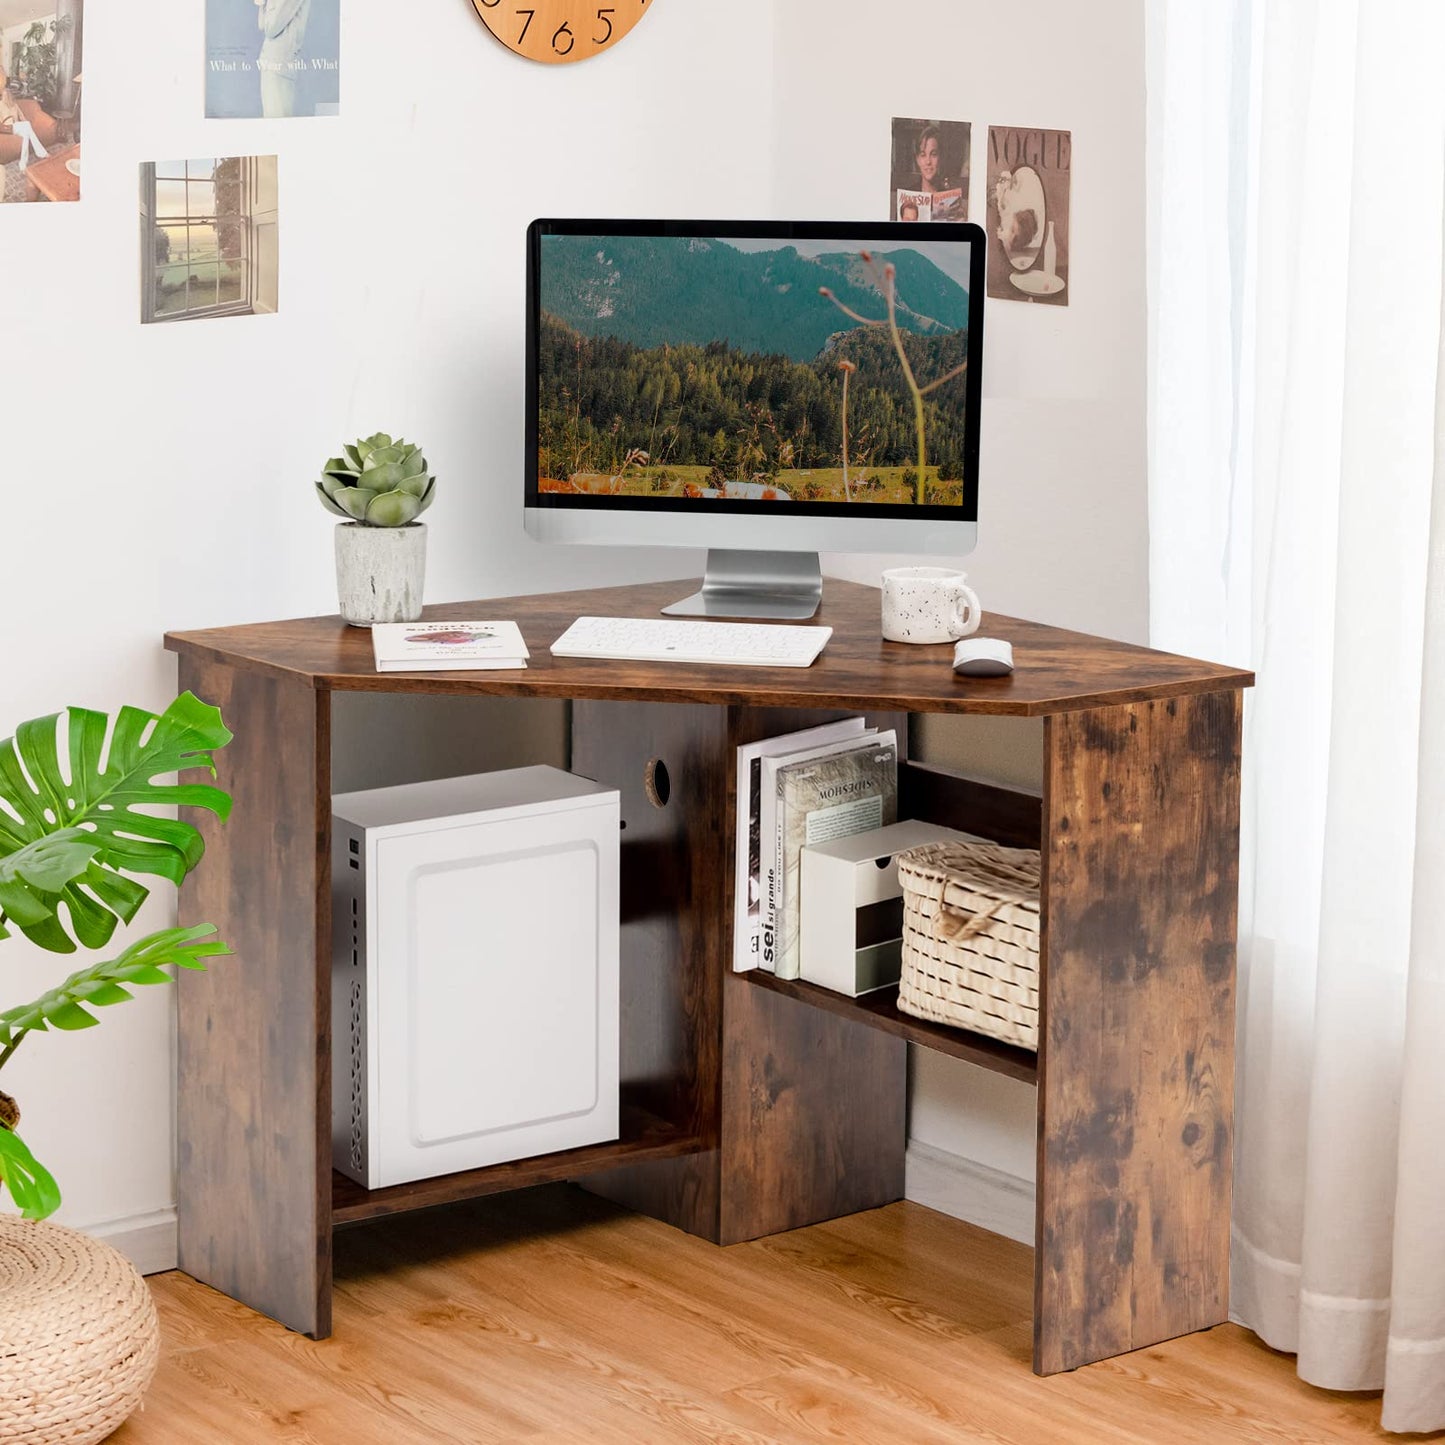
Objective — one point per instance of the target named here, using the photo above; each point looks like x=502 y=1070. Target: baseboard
x=998 y=1202
x=147 y=1240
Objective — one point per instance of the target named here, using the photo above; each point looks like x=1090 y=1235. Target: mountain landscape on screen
x=692 y=367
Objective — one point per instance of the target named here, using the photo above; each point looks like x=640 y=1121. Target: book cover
x=436 y=646
x=770 y=875
x=273 y=59
x=747 y=838
x=818 y=800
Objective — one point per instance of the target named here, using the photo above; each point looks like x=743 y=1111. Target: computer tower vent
x=358 y=1076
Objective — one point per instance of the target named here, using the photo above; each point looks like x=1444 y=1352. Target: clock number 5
x=605 y=16
x=563 y=29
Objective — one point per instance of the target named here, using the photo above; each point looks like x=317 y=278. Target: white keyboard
x=660 y=639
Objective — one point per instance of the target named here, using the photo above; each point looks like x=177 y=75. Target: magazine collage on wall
x=209 y=233
x=209 y=225
x=1026 y=206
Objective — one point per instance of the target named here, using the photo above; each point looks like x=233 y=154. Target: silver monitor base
x=774 y=585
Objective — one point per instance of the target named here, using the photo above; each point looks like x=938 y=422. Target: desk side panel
x=673 y=898
x=1136 y=1086
x=253 y=1178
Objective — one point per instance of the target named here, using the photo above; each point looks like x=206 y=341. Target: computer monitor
x=763 y=389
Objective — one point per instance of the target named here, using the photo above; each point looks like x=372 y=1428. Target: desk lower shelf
x=880 y=1011
x=643 y=1136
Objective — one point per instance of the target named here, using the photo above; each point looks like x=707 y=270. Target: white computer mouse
x=983 y=657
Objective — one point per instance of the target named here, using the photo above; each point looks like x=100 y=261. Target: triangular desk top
x=1054 y=670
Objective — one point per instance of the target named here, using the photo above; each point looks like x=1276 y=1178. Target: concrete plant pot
x=380 y=572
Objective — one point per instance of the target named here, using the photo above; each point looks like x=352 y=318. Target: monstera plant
x=77 y=793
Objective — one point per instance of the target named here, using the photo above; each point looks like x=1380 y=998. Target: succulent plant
x=377 y=482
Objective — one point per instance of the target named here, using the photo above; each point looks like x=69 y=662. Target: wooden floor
x=547 y=1316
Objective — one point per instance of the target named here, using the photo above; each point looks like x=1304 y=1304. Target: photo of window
x=40 y=83
x=208 y=238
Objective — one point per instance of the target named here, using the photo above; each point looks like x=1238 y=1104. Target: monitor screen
x=815 y=369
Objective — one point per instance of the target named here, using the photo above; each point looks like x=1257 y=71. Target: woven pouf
x=78 y=1335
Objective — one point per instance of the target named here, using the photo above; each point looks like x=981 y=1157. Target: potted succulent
x=78 y=1331
x=380 y=487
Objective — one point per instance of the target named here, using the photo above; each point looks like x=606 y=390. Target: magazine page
x=929 y=167
x=273 y=59
x=1028 y=214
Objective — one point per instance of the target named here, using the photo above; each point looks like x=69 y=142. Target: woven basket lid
x=988 y=867
x=79 y=1337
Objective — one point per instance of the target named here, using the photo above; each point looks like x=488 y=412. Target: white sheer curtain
x=1297 y=523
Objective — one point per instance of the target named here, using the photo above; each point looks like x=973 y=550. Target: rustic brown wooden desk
x=752 y=1105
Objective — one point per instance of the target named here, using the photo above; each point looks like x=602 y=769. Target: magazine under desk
x=751 y=1105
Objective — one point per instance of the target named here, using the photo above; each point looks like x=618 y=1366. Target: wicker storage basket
x=971 y=938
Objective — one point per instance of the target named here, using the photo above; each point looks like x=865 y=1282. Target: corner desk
x=752 y=1105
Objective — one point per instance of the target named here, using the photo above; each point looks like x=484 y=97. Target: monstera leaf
x=59 y=779
x=69 y=1005
x=31 y=1184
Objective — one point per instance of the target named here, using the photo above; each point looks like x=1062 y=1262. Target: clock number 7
x=605 y=16
x=527 y=22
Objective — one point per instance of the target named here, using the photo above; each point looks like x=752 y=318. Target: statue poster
x=1028 y=214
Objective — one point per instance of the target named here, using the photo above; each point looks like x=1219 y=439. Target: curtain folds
x=1297 y=510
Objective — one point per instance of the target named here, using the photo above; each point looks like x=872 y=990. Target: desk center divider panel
x=750 y=1104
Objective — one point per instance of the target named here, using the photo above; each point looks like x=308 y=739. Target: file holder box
x=851 y=919
x=474 y=972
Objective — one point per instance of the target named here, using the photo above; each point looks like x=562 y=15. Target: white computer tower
x=474 y=972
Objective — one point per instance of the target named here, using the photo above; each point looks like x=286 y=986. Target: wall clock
x=557 y=32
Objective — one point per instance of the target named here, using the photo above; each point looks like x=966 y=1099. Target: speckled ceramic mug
x=928 y=604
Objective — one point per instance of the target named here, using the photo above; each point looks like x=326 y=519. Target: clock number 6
x=605 y=16
x=563 y=29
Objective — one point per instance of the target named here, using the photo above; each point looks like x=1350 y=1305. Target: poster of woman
x=930 y=159
x=273 y=59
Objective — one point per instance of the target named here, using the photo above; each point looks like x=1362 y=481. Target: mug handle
x=967 y=614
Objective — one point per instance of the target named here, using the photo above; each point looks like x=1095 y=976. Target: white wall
x=160 y=477
x=1062 y=504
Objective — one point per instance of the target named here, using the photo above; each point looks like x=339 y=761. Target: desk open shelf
x=880 y=1011
x=643 y=1137
x=754 y=1105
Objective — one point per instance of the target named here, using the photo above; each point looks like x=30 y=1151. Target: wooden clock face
x=557 y=32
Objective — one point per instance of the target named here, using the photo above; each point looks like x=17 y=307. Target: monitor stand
x=773 y=585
